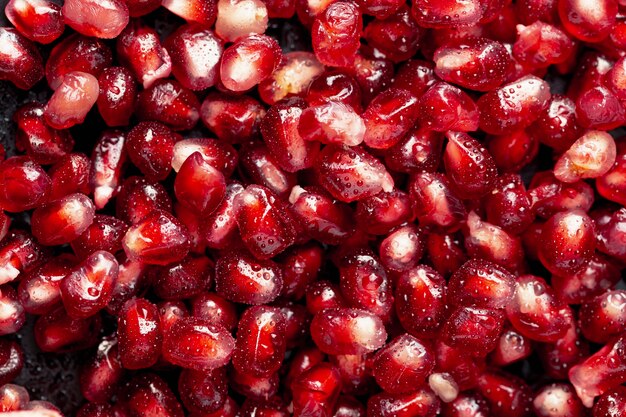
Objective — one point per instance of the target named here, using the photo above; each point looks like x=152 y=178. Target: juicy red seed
x=183 y=279
x=38 y=290
x=70 y=175
x=322 y=295
x=351 y=174
x=249 y=61
x=610 y=235
x=198 y=185
x=508 y=205
x=610 y=185
x=599 y=108
x=63 y=220
x=415 y=76
x=195 y=53
x=279 y=129
x=168 y=102
x=541 y=45
x=591 y=156
x=139 y=332
x=436 y=204
x=210 y=306
x=599 y=275
x=197 y=344
x=335 y=34
x=158 y=239
x=332 y=122
x=42 y=143
x=396 y=37
x=196 y=11
x=203 y=391
x=260 y=167
x=88 y=287
x=335 y=86
x=476 y=63
x=100 y=375
x=421 y=403
x=316 y=390
x=146 y=392
x=97 y=19
x=19 y=53
x=116 y=100
x=24 y=185
x=557 y=126
x=512 y=152
x=261 y=343
x=511 y=347
x=380 y=213
x=150 y=147
x=140 y=50
x=389 y=117
x=419 y=150
x=444 y=107
x=19 y=252
x=13 y=397
x=241 y=278
x=603 y=316
x=238 y=18
x=219 y=230
x=469 y=166
x=506 y=394
x=420 y=295
x=12 y=358
x=402 y=248
x=587 y=24
x=482 y=284
x=549 y=196
x=72 y=100
x=233 y=119
x=38 y=20
x=465 y=405
x=107 y=161
x=476 y=330
x=138 y=197
x=301 y=266
x=611 y=403
x=57 y=332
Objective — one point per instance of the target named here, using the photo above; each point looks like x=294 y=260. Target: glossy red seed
x=586 y=23
x=219 y=230
x=139 y=333
x=97 y=19
x=107 y=161
x=168 y=102
x=260 y=344
x=599 y=108
x=203 y=391
x=591 y=156
x=101 y=374
x=508 y=205
x=13 y=397
x=402 y=365
x=38 y=290
x=599 y=275
x=436 y=204
x=72 y=100
x=316 y=390
x=260 y=167
x=195 y=54
x=511 y=347
x=567 y=242
x=351 y=174
x=12 y=363
x=42 y=143
x=389 y=117
x=202 y=12
x=297 y=323
x=19 y=252
x=475 y=330
x=24 y=185
x=444 y=107
x=239 y=18
x=63 y=220
x=467 y=404
x=147 y=393
x=415 y=76
x=420 y=295
x=421 y=403
x=249 y=61
x=138 y=197
x=220 y=155
x=255 y=388
x=195 y=343
x=604 y=316
x=550 y=196
x=12 y=314
x=419 y=150
x=396 y=37
x=233 y=119
x=139 y=49
x=469 y=166
x=292 y=77
x=198 y=185
x=118 y=92
x=150 y=147
x=301 y=266
x=21 y=62
x=513 y=105
x=610 y=236
x=380 y=213
x=264 y=222
x=541 y=45
x=611 y=404
x=158 y=239
x=402 y=248
x=241 y=278
x=332 y=122
x=70 y=175
x=512 y=152
x=321 y=295
x=335 y=34
x=557 y=126
x=611 y=184
x=38 y=20
x=57 y=332
x=506 y=394
x=482 y=284
x=600 y=372
x=335 y=86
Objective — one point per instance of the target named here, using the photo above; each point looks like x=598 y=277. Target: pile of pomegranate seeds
x=413 y=210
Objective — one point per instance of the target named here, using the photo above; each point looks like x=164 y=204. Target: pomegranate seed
x=511 y=347
x=145 y=394
x=195 y=53
x=72 y=100
x=610 y=185
x=351 y=174
x=599 y=108
x=322 y=295
x=150 y=147
x=557 y=126
x=541 y=44
x=482 y=284
x=600 y=372
x=559 y=357
x=139 y=333
x=610 y=236
x=402 y=249
x=130 y=282
x=611 y=403
x=402 y=365
x=419 y=150
x=513 y=105
x=232 y=118
x=469 y=166
x=550 y=196
x=396 y=37
x=100 y=376
x=355 y=371
x=591 y=156
x=335 y=86
x=58 y=332
x=436 y=204
x=373 y=75
x=238 y=18
x=558 y=398
x=116 y=99
x=260 y=345
x=171 y=312
x=70 y=175
x=158 y=239
x=476 y=330
x=168 y=102
x=203 y=391
x=260 y=167
x=508 y=205
x=107 y=160
x=38 y=290
x=104 y=20
x=279 y=128
x=63 y=220
x=420 y=295
x=195 y=343
x=138 y=8
x=462 y=367
x=220 y=228
x=293 y=76
x=248 y=61
x=198 y=185
x=590 y=24
x=77 y=53
x=13 y=397
x=421 y=403
x=301 y=266
x=389 y=117
x=24 y=184
x=332 y=122
x=347 y=331
x=444 y=107
x=512 y=152
x=316 y=390
x=380 y=213
x=38 y=20
x=138 y=197
x=599 y=275
x=214 y=308
x=140 y=50
x=241 y=278
x=604 y=316
x=415 y=76
x=183 y=279
x=12 y=363
x=19 y=253
x=253 y=387
x=567 y=242
x=335 y=34
x=87 y=289
x=202 y=12
x=506 y=394
x=466 y=404
x=21 y=62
